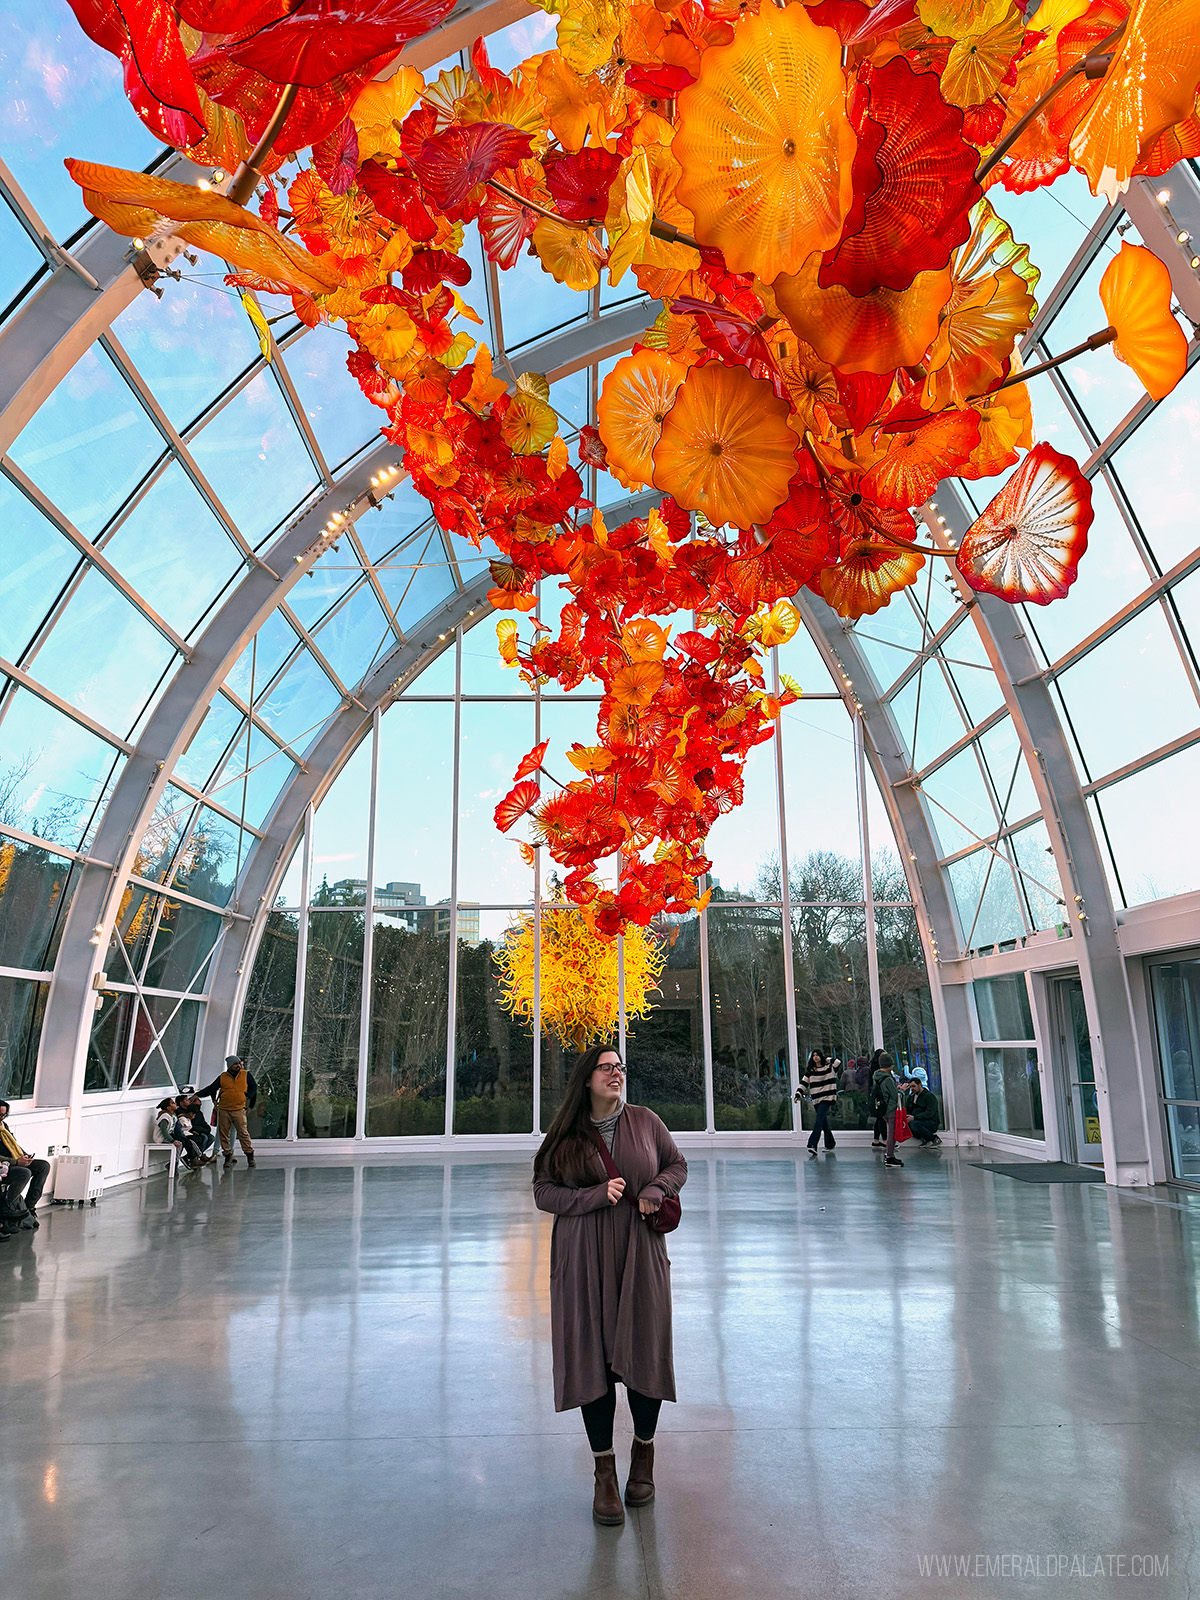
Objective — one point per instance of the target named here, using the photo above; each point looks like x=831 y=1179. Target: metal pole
x=706 y=1024
x=621 y=995
x=452 y=1003
x=537 y=938
x=364 y=1018
x=789 y=971
x=860 y=780
x=293 y=1115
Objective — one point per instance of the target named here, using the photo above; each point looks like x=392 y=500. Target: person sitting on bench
x=26 y=1176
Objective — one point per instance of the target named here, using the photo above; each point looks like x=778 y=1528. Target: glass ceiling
x=141 y=491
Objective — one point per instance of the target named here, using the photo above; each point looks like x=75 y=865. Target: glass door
x=1175 y=986
x=1076 y=1075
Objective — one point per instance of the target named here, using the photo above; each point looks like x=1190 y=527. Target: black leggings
x=598 y=1416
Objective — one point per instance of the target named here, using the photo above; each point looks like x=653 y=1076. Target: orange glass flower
x=991 y=306
x=634 y=401
x=867 y=577
x=875 y=332
x=1027 y=543
x=1136 y=294
x=916 y=462
x=726 y=448
x=1150 y=85
x=765 y=144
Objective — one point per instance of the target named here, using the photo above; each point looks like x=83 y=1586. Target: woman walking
x=820 y=1084
x=610 y=1278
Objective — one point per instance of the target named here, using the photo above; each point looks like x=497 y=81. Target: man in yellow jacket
x=233 y=1092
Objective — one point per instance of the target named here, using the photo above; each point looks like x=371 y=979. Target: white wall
x=112 y=1127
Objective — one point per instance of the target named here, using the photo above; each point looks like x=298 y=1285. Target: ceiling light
x=1183 y=236
x=203 y=183
x=1163 y=196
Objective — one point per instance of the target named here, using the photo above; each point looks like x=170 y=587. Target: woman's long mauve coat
x=610 y=1276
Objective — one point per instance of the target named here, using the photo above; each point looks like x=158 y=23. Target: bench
x=159 y=1150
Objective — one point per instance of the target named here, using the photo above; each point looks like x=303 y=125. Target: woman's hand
x=646 y=1207
x=616 y=1188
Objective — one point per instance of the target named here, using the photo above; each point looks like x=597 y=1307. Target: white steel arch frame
x=64 y=318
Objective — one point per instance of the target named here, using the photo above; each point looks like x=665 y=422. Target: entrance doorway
x=1079 y=1119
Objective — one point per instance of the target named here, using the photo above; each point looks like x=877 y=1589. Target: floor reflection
x=282 y=1382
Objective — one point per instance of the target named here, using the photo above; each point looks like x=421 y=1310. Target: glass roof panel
x=55 y=770
x=71 y=104
x=1053 y=222
x=253 y=455
x=1111 y=570
x=324 y=584
x=533 y=304
x=1129 y=695
x=429 y=587
x=252 y=793
x=571 y=397
x=209 y=866
x=342 y=418
x=356 y=636
x=1039 y=876
x=1009 y=771
x=189 y=346
x=102 y=656
x=402 y=512
x=1156 y=469
x=961 y=807
x=89 y=444
x=300 y=702
x=20 y=259
x=173 y=550
x=986 y=897
x=927 y=716
x=210 y=742
x=508 y=47
x=1164 y=859
x=262 y=657
x=971 y=672
x=35 y=562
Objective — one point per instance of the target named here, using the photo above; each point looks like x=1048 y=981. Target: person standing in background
x=887 y=1098
x=233 y=1092
x=819 y=1083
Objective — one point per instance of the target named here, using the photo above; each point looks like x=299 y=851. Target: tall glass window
x=1007 y=1057
x=412 y=882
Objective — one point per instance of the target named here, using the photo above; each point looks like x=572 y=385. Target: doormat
x=1041 y=1171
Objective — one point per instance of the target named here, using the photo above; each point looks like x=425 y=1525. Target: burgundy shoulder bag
x=666 y=1218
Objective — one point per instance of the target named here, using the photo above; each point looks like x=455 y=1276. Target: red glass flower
x=914 y=183
x=1027 y=543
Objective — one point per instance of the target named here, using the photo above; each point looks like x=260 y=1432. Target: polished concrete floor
x=327 y=1383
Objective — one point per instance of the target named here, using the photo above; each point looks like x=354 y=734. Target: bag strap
x=610 y=1166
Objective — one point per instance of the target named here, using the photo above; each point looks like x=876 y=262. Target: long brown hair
x=568 y=1152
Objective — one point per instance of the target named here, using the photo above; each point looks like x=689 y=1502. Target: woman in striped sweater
x=819 y=1083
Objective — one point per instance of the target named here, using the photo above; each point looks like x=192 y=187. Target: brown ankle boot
x=606 y=1503
x=639 y=1490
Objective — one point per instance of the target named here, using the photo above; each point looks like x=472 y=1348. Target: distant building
x=399 y=902
x=468 y=920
